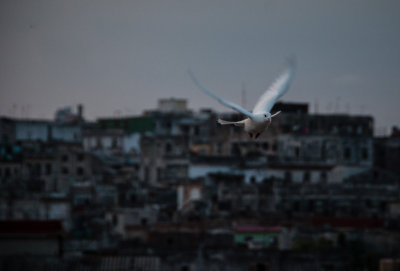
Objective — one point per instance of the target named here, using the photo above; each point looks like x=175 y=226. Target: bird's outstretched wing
x=220 y=100
x=276 y=90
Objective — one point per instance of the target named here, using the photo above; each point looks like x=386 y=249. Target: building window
x=196 y=130
x=235 y=149
x=258 y=267
x=146 y=174
x=265 y=146
x=7 y=172
x=168 y=148
x=64 y=158
x=219 y=148
x=288 y=176
x=349 y=129
x=80 y=171
x=48 y=169
x=114 y=142
x=98 y=143
x=38 y=169
x=323 y=176
x=64 y=170
x=297 y=152
x=364 y=153
x=158 y=174
x=80 y=157
x=347 y=153
x=306 y=177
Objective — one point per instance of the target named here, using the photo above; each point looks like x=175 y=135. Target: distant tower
x=80 y=112
x=243 y=95
x=337 y=105
x=316 y=106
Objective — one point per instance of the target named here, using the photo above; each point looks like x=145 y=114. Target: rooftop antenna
x=315 y=106
x=22 y=113
x=337 y=105
x=348 y=108
x=14 y=110
x=243 y=95
x=362 y=107
x=329 y=107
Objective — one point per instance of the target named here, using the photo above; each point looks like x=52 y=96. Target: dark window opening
x=99 y=143
x=364 y=154
x=260 y=267
x=37 y=170
x=7 y=172
x=196 y=130
x=158 y=174
x=219 y=148
x=168 y=148
x=115 y=219
x=170 y=241
x=347 y=153
x=64 y=158
x=288 y=176
x=306 y=177
x=48 y=169
x=64 y=170
x=297 y=152
x=323 y=176
x=114 y=143
x=80 y=171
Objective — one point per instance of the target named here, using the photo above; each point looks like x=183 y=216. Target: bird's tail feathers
x=225 y=122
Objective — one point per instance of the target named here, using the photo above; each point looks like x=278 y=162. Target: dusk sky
x=120 y=57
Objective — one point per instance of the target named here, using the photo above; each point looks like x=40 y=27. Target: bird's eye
x=265 y=115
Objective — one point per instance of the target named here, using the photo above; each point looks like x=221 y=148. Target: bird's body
x=260 y=118
x=254 y=127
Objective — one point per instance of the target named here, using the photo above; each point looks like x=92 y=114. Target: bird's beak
x=275 y=114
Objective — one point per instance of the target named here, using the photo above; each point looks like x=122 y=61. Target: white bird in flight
x=260 y=118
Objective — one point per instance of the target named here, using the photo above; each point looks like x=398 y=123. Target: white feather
x=275 y=91
x=220 y=100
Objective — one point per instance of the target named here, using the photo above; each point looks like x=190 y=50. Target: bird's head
x=266 y=116
x=262 y=117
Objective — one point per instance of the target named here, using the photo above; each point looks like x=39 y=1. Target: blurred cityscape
x=171 y=189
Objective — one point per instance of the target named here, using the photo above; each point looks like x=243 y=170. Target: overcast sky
x=120 y=57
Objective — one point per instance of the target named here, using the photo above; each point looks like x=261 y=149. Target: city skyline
x=128 y=54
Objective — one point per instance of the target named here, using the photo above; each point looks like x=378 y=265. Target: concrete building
x=31 y=238
x=172 y=105
x=109 y=141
